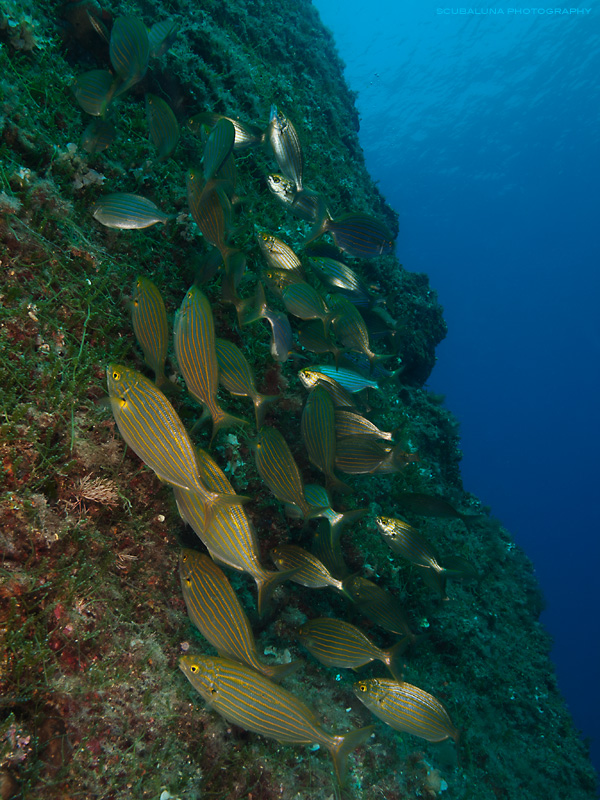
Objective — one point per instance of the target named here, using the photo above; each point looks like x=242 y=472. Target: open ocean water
x=482 y=127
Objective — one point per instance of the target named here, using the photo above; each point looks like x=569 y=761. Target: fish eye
x=115 y=375
x=363 y=687
x=194 y=668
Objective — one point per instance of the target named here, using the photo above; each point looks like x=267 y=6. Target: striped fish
x=245 y=135
x=278 y=469
x=347 y=423
x=218 y=147
x=407 y=708
x=351 y=329
x=303 y=301
x=351 y=381
x=364 y=455
x=149 y=318
x=150 y=426
x=408 y=543
x=228 y=536
x=211 y=210
x=304 y=204
x=235 y=374
x=163 y=125
x=161 y=36
x=278 y=254
x=195 y=350
x=129 y=51
x=311 y=377
x=336 y=643
x=378 y=605
x=128 y=211
x=308 y=570
x=359 y=235
x=248 y=699
x=342 y=279
x=326 y=547
x=318 y=432
x=278 y=280
x=215 y=610
x=94 y=90
x=286 y=147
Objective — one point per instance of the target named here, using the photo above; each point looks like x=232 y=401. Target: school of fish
x=314 y=303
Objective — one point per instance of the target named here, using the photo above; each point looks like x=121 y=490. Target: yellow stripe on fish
x=407 y=708
x=149 y=318
x=278 y=469
x=215 y=610
x=248 y=699
x=195 y=350
x=236 y=375
x=318 y=432
x=151 y=427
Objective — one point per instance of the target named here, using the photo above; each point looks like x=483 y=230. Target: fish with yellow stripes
x=252 y=701
x=151 y=427
x=379 y=606
x=237 y=376
x=215 y=610
x=195 y=350
x=318 y=432
x=407 y=708
x=337 y=643
x=149 y=318
x=278 y=469
x=162 y=124
x=304 y=567
x=228 y=536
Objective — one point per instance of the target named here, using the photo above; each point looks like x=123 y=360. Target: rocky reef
x=92 y=619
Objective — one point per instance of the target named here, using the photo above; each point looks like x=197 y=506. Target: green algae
x=91 y=616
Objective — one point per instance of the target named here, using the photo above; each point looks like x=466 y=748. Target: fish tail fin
x=224 y=420
x=392 y=658
x=267 y=583
x=341 y=747
x=261 y=401
x=278 y=671
x=336 y=484
x=321 y=219
x=252 y=308
x=347 y=518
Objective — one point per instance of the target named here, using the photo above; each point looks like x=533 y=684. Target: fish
x=161 y=36
x=406 y=541
x=363 y=455
x=215 y=610
x=318 y=497
x=286 y=147
x=337 y=643
x=129 y=51
x=342 y=279
x=228 y=535
x=211 y=210
x=351 y=330
x=218 y=148
x=151 y=427
x=252 y=701
x=407 y=708
x=310 y=377
x=128 y=211
x=278 y=469
x=359 y=235
x=304 y=203
x=98 y=136
x=350 y=380
x=376 y=604
x=245 y=135
x=429 y=505
x=317 y=427
x=163 y=125
x=195 y=351
x=94 y=91
x=278 y=280
x=347 y=423
x=311 y=336
x=281 y=335
x=149 y=318
x=277 y=253
x=236 y=375
x=302 y=300
x=326 y=547
x=307 y=569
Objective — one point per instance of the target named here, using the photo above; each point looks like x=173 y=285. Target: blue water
x=483 y=132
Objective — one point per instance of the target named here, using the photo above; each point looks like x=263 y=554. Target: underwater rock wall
x=92 y=620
